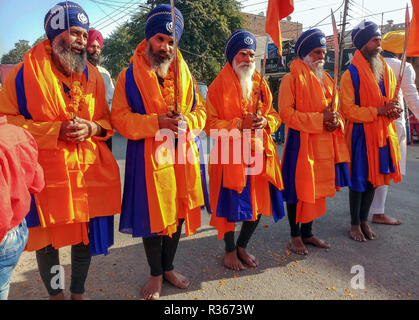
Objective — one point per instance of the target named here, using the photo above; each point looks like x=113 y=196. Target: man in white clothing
x=392 y=44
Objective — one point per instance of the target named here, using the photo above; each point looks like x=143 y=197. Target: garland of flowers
x=168 y=90
x=76 y=94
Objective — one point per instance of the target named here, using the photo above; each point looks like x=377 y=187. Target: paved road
x=389 y=264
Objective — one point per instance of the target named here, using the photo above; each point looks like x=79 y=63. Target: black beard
x=71 y=62
x=92 y=59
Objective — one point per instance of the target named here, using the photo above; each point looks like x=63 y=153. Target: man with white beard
x=237 y=111
x=315 y=157
x=369 y=106
x=60 y=100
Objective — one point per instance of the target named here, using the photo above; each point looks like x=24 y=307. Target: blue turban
x=56 y=21
x=159 y=20
x=308 y=41
x=363 y=33
x=241 y=39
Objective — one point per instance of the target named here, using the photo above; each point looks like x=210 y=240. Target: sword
x=175 y=69
x=404 y=55
x=336 y=69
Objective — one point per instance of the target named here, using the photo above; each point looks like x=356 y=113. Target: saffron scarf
x=382 y=131
x=76 y=198
x=225 y=95
x=168 y=181
x=310 y=96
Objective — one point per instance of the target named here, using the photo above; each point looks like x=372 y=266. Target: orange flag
x=413 y=44
x=277 y=10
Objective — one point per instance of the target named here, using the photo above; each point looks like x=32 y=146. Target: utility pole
x=342 y=35
x=382 y=23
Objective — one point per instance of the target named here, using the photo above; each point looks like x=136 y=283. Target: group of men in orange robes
x=60 y=99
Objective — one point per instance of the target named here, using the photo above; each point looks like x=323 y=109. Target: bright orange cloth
x=302 y=101
x=20 y=175
x=277 y=10
x=173 y=191
x=413 y=44
x=377 y=129
x=224 y=112
x=82 y=180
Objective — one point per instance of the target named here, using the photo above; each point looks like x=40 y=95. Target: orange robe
x=378 y=130
x=82 y=180
x=174 y=190
x=224 y=113
x=301 y=103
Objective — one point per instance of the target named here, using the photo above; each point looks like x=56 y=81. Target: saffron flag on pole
x=277 y=10
x=413 y=45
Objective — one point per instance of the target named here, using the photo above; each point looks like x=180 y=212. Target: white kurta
x=109 y=86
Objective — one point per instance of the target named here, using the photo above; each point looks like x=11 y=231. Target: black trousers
x=161 y=251
x=304 y=230
x=48 y=257
x=360 y=203
x=246 y=232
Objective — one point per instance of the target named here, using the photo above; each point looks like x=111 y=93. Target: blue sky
x=23 y=19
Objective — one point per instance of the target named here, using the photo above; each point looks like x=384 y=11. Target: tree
x=208 y=24
x=15 y=55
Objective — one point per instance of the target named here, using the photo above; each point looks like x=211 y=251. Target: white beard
x=315 y=66
x=244 y=72
x=163 y=68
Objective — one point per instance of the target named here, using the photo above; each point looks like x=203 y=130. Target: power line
x=116 y=14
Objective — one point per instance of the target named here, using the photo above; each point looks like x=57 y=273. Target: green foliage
x=208 y=24
x=15 y=55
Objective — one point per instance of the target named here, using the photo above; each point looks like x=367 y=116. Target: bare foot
x=152 y=289
x=176 y=279
x=247 y=258
x=76 y=296
x=297 y=246
x=356 y=233
x=316 y=242
x=385 y=219
x=366 y=229
x=232 y=261
x=59 y=296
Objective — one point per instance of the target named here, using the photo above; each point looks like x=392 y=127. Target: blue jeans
x=11 y=247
